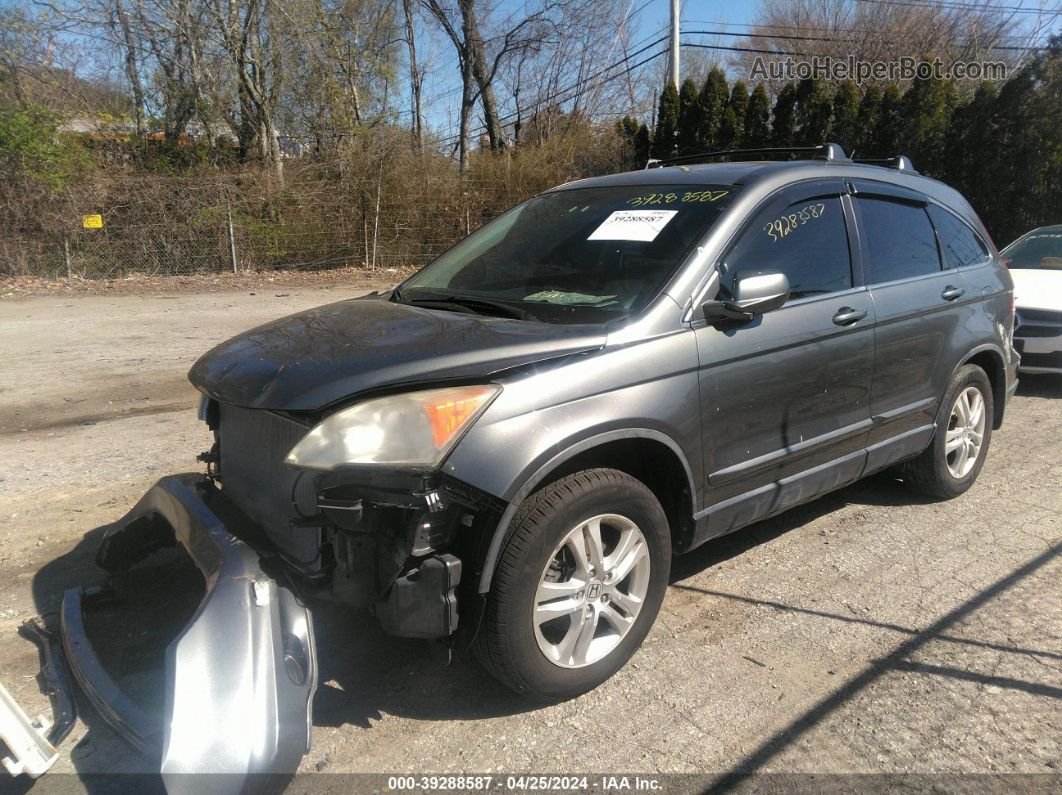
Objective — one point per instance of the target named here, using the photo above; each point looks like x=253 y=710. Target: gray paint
x=763 y=415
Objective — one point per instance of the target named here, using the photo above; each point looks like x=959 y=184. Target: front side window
x=900 y=240
x=806 y=240
x=581 y=255
x=958 y=242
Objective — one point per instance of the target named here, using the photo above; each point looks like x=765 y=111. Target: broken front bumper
x=240 y=677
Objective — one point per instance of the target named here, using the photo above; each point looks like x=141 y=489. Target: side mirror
x=753 y=295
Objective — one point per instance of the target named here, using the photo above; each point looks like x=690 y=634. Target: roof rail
x=828 y=152
x=899 y=162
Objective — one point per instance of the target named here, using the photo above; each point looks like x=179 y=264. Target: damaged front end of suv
x=324 y=482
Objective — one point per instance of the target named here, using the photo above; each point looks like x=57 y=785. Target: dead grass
x=16 y=287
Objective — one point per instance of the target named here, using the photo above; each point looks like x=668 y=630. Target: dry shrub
x=372 y=203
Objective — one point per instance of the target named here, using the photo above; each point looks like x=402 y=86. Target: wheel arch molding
x=647 y=454
x=991 y=359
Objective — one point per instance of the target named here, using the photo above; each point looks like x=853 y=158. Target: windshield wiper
x=476 y=305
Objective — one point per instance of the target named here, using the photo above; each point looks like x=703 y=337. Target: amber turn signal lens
x=452 y=409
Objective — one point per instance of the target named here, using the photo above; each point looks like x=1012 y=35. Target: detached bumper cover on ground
x=241 y=675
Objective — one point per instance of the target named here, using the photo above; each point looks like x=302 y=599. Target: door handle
x=846 y=316
x=951 y=293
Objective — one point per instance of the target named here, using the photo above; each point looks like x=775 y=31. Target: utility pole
x=675 y=14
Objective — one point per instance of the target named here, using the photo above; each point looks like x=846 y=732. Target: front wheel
x=952 y=462
x=578 y=585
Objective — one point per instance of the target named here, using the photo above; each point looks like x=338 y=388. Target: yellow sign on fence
x=92 y=221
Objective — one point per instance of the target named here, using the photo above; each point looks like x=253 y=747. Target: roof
x=693 y=174
x=769 y=175
x=741 y=173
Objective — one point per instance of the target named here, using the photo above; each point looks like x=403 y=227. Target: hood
x=1037 y=288
x=307 y=361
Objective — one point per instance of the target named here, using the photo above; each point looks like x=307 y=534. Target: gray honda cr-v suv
x=506 y=451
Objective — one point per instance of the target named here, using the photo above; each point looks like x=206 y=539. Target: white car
x=1035 y=263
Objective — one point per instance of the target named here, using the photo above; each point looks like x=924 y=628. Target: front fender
x=536 y=473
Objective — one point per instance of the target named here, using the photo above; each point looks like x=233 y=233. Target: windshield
x=574 y=256
x=1040 y=250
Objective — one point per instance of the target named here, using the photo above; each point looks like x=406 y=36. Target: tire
x=598 y=621
x=946 y=473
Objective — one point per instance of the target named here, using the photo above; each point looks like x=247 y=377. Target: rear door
x=785 y=397
x=919 y=302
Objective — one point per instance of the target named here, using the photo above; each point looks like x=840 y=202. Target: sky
x=650 y=19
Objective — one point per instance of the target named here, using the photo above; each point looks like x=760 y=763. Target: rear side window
x=900 y=240
x=958 y=242
x=806 y=240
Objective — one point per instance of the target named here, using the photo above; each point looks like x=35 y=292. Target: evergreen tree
x=783 y=124
x=972 y=131
x=814 y=112
x=846 y=121
x=713 y=99
x=869 y=110
x=689 y=120
x=666 y=123
x=927 y=107
x=1022 y=166
x=732 y=129
x=642 y=145
x=757 y=119
x=887 y=139
x=635 y=141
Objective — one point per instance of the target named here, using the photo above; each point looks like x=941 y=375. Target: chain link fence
x=117 y=250
x=180 y=226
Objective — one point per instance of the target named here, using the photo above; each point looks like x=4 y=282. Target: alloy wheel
x=591 y=591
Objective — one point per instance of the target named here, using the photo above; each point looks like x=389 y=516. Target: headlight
x=415 y=428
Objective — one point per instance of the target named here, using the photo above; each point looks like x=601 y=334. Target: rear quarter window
x=900 y=240
x=959 y=244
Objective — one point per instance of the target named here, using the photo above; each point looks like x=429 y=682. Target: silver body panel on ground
x=240 y=677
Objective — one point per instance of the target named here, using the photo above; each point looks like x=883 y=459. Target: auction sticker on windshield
x=641 y=225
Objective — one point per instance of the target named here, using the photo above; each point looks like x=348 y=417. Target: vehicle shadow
x=1042 y=386
x=103 y=761
x=882 y=489
x=364 y=673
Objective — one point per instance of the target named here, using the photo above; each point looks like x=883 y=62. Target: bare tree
x=416 y=78
x=121 y=26
x=250 y=34
x=21 y=47
x=980 y=30
x=479 y=68
x=174 y=32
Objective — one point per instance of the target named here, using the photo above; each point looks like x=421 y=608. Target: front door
x=785 y=397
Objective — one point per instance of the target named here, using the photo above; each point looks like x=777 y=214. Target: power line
x=959 y=6
x=766 y=26
x=791 y=37
x=455 y=136
x=557 y=96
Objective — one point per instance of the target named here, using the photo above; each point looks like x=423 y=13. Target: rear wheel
x=952 y=462
x=578 y=585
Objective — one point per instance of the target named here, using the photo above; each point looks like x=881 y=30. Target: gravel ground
x=868 y=632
